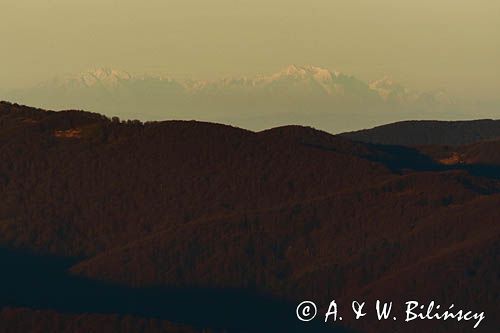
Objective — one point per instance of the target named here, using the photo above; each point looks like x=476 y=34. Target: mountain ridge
x=291 y=212
x=306 y=95
x=429 y=132
x=110 y=77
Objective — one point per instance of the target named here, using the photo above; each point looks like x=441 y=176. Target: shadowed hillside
x=142 y=209
x=428 y=132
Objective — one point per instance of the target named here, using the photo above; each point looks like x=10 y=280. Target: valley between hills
x=186 y=226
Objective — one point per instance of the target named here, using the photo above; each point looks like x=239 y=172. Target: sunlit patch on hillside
x=454 y=158
x=73 y=133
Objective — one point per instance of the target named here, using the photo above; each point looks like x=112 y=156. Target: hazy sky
x=425 y=44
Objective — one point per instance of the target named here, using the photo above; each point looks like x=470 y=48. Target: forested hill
x=429 y=132
x=188 y=207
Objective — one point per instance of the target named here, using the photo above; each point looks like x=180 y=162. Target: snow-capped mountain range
x=295 y=94
x=295 y=79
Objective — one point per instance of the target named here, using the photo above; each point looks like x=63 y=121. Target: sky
x=424 y=44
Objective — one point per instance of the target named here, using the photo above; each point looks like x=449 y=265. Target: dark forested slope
x=429 y=132
x=291 y=213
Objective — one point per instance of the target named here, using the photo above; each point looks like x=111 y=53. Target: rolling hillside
x=202 y=211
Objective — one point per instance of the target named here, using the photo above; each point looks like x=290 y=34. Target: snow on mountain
x=291 y=79
x=104 y=77
x=294 y=94
x=388 y=89
x=306 y=72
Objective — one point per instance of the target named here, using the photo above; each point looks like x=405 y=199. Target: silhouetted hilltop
x=193 y=208
x=429 y=132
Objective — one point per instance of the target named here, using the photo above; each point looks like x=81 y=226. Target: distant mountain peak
x=387 y=88
x=386 y=80
x=292 y=90
x=319 y=73
x=104 y=72
x=293 y=70
x=106 y=76
x=103 y=76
